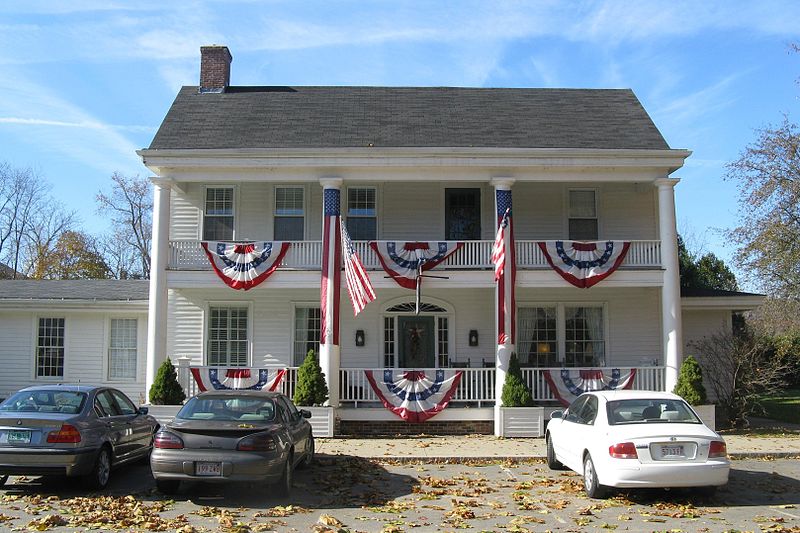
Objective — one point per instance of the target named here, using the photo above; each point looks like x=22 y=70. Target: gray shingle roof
x=435 y=117
x=78 y=289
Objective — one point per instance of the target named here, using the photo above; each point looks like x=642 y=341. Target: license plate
x=19 y=437
x=672 y=451
x=208 y=469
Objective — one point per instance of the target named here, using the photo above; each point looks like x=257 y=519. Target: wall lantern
x=473 y=337
x=360 y=337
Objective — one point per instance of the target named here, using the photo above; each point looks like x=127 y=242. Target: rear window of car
x=242 y=408
x=45 y=401
x=650 y=411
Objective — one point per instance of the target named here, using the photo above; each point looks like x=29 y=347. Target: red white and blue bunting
x=403 y=260
x=238 y=378
x=566 y=384
x=412 y=395
x=244 y=265
x=584 y=263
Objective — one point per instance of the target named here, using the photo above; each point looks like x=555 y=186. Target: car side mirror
x=557 y=414
x=143 y=410
x=305 y=413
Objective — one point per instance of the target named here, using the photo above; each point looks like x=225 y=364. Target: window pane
x=583 y=229
x=362 y=229
x=306 y=332
x=582 y=204
x=227 y=336
x=218 y=217
x=585 y=344
x=122 y=348
x=442 y=335
x=537 y=336
x=361 y=202
x=289 y=201
x=50 y=348
x=288 y=229
x=388 y=342
x=218 y=228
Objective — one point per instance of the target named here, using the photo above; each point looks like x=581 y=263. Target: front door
x=462 y=216
x=417 y=342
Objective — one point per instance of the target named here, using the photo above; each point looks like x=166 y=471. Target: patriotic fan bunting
x=244 y=265
x=412 y=395
x=566 y=385
x=402 y=260
x=238 y=378
x=584 y=263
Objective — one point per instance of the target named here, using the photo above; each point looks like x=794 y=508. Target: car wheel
x=167 y=486
x=308 y=457
x=284 y=486
x=707 y=492
x=101 y=471
x=552 y=462
x=593 y=487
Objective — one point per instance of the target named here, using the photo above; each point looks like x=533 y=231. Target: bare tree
x=739 y=368
x=47 y=227
x=130 y=204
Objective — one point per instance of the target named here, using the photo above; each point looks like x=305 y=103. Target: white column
x=672 y=340
x=504 y=349
x=157 y=307
x=330 y=348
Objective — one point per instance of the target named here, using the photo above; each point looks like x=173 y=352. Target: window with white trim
x=50 y=348
x=289 y=215
x=307 y=320
x=218 y=216
x=583 y=215
x=228 y=338
x=122 y=348
x=537 y=335
x=362 y=213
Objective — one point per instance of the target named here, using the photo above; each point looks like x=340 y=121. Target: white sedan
x=630 y=439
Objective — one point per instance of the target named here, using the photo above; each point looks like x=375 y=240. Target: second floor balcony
x=474 y=255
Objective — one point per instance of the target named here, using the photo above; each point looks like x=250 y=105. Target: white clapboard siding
x=522 y=421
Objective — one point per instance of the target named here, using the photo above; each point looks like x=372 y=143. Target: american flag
x=505 y=270
x=358 y=285
x=331 y=269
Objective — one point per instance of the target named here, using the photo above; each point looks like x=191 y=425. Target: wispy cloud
x=79 y=125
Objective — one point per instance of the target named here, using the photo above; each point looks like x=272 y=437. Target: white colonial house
x=416 y=174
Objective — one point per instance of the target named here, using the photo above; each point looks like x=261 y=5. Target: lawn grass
x=784 y=406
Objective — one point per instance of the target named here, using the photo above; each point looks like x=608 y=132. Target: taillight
x=167 y=441
x=257 y=443
x=68 y=433
x=717 y=449
x=623 y=450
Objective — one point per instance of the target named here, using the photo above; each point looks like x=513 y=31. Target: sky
x=85 y=83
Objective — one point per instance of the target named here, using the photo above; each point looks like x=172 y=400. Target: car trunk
x=30 y=430
x=657 y=444
x=210 y=434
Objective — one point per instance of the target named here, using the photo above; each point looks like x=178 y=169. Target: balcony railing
x=307 y=255
x=476 y=387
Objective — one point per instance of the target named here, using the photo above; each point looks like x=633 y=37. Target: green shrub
x=515 y=392
x=690 y=382
x=311 y=387
x=165 y=389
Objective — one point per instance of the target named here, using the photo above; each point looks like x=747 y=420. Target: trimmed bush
x=311 y=387
x=690 y=382
x=165 y=389
x=515 y=392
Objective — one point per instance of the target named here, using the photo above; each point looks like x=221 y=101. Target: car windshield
x=650 y=411
x=45 y=401
x=243 y=408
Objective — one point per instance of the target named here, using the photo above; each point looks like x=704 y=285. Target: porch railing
x=477 y=387
x=307 y=255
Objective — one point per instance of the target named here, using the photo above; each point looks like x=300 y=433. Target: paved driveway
x=355 y=494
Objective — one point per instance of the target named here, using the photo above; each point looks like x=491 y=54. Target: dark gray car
x=233 y=435
x=72 y=430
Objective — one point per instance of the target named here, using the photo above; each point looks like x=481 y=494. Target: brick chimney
x=215 y=68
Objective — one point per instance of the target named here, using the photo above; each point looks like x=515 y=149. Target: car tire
x=308 y=457
x=284 y=486
x=590 y=483
x=552 y=462
x=98 y=478
x=167 y=486
x=707 y=492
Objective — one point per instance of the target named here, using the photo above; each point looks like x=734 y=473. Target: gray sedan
x=72 y=430
x=233 y=435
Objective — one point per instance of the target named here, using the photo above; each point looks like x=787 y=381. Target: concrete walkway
x=475 y=447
